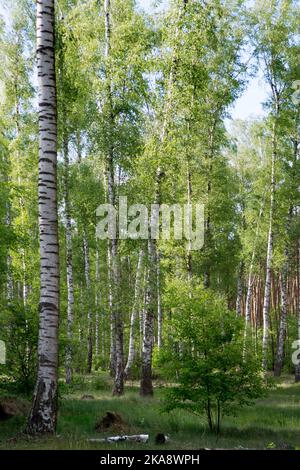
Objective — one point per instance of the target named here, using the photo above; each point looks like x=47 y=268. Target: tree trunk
x=118 y=388
x=208 y=234
x=283 y=319
x=282 y=326
x=134 y=313
x=146 y=387
x=112 y=351
x=239 y=296
x=9 y=279
x=159 y=309
x=250 y=276
x=267 y=295
x=87 y=274
x=189 y=243
x=97 y=305
x=69 y=263
x=297 y=367
x=43 y=415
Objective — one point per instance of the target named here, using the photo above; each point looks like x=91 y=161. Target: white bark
x=146 y=387
x=250 y=280
x=142 y=314
x=239 y=296
x=134 y=313
x=118 y=388
x=297 y=367
x=112 y=352
x=189 y=243
x=159 y=309
x=9 y=279
x=97 y=304
x=69 y=265
x=282 y=325
x=87 y=273
x=43 y=414
x=134 y=438
x=267 y=294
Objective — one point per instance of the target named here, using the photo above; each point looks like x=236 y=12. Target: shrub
x=19 y=330
x=207 y=361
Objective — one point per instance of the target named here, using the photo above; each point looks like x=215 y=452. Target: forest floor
x=273 y=422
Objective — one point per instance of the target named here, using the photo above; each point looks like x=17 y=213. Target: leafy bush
x=101 y=382
x=19 y=330
x=207 y=361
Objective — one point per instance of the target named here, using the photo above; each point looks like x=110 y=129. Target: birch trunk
x=43 y=415
x=9 y=279
x=159 y=309
x=97 y=304
x=146 y=387
x=134 y=313
x=118 y=388
x=282 y=325
x=297 y=367
x=283 y=316
x=142 y=315
x=87 y=273
x=207 y=273
x=239 y=296
x=250 y=277
x=189 y=243
x=112 y=351
x=69 y=264
x=267 y=294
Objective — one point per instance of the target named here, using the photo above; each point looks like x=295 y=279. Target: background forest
x=143 y=106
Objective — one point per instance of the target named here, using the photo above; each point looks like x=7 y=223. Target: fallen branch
x=134 y=438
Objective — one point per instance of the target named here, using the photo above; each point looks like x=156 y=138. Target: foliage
x=213 y=376
x=19 y=330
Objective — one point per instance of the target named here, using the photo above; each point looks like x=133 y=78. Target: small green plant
x=213 y=375
x=19 y=330
x=101 y=382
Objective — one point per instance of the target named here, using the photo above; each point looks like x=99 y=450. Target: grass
x=273 y=422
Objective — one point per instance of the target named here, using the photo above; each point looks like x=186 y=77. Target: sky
x=249 y=105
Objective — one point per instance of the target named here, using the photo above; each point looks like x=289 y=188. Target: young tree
x=213 y=376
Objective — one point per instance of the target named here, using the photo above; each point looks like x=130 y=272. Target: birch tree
x=134 y=313
x=43 y=415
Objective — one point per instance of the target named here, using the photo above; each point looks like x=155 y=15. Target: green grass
x=271 y=423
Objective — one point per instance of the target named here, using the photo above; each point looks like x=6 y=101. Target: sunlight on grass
x=274 y=421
